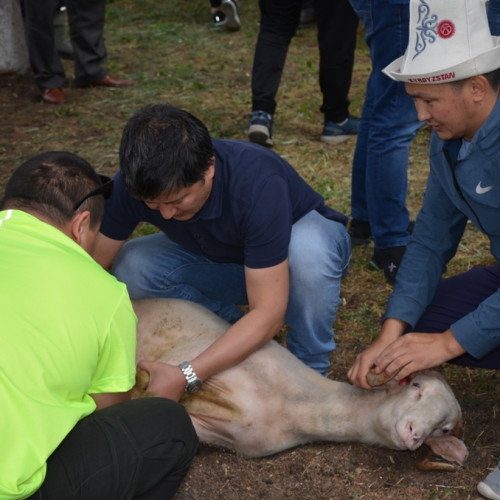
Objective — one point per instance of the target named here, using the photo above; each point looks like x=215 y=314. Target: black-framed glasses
x=105 y=189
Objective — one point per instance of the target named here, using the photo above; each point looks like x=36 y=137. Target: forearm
x=391 y=330
x=103 y=400
x=242 y=339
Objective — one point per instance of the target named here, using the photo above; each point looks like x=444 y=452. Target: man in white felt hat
x=451 y=70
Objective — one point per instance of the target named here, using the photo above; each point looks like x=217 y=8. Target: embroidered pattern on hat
x=426 y=28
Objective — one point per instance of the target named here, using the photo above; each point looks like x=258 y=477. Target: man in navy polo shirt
x=237 y=226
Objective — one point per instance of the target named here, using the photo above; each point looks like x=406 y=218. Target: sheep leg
x=426 y=464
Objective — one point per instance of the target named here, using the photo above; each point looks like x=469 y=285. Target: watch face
x=194 y=386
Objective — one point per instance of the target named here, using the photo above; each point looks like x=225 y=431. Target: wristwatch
x=193 y=383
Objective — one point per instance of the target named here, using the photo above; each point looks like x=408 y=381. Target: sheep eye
x=445 y=431
x=416 y=384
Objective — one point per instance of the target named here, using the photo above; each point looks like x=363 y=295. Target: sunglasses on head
x=105 y=189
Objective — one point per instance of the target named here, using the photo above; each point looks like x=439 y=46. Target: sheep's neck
x=339 y=412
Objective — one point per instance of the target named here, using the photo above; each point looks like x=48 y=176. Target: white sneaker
x=490 y=487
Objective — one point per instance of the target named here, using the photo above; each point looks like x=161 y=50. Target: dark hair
x=50 y=184
x=493 y=78
x=163 y=149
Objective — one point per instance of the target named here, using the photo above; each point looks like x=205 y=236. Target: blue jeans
x=319 y=255
x=494 y=17
x=388 y=125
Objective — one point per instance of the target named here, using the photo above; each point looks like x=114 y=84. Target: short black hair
x=50 y=184
x=163 y=149
x=493 y=78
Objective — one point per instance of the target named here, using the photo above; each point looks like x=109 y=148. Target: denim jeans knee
x=319 y=255
x=155 y=266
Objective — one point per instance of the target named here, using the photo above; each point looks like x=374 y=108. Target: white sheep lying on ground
x=272 y=401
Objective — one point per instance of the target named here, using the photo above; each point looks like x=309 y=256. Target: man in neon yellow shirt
x=68 y=349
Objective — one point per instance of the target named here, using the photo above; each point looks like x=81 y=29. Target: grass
x=174 y=54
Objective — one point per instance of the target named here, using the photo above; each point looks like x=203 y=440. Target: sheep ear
x=448 y=447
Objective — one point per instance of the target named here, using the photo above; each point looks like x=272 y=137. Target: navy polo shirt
x=247 y=219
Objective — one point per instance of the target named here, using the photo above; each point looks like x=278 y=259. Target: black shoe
x=360 y=232
x=219 y=18
x=388 y=260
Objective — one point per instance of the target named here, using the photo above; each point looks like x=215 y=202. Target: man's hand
x=414 y=352
x=392 y=329
x=165 y=380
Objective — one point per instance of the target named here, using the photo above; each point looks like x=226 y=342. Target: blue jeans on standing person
x=319 y=255
x=388 y=125
x=494 y=17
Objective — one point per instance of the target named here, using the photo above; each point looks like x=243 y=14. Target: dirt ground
x=348 y=471
x=90 y=125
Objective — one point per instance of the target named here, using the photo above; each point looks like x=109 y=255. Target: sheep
x=272 y=401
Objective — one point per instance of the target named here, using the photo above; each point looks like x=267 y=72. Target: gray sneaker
x=490 y=487
x=335 y=134
x=260 y=129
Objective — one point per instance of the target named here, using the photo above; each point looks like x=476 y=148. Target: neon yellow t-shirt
x=67 y=329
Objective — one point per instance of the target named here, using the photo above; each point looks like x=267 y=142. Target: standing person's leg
x=457 y=296
x=393 y=126
x=494 y=17
x=359 y=227
x=44 y=60
x=319 y=255
x=86 y=25
x=337 y=31
x=155 y=266
x=279 y=20
x=137 y=449
x=388 y=125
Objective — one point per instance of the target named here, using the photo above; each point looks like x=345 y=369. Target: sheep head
x=423 y=409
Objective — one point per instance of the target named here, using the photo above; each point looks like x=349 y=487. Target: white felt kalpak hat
x=448 y=40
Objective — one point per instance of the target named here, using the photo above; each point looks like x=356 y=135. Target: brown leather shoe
x=53 y=96
x=108 y=81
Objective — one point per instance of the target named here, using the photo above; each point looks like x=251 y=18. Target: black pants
x=137 y=449
x=457 y=296
x=337 y=26
x=86 y=25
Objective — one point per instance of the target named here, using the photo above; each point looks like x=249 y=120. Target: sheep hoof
x=141 y=385
x=426 y=464
x=376 y=379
